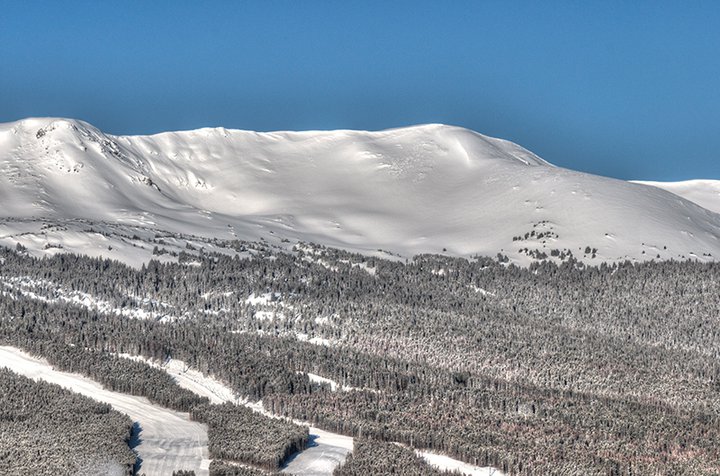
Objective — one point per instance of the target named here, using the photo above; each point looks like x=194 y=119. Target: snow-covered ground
x=446 y=463
x=405 y=191
x=334 y=386
x=326 y=450
x=705 y=193
x=168 y=440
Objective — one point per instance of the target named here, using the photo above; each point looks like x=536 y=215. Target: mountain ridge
x=704 y=192
x=427 y=188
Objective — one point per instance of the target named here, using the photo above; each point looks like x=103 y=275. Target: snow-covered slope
x=705 y=193
x=429 y=188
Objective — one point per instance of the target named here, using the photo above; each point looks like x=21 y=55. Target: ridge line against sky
x=628 y=90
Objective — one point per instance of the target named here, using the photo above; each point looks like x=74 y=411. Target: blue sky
x=624 y=89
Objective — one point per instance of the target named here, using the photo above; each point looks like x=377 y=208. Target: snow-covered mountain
x=66 y=185
x=705 y=193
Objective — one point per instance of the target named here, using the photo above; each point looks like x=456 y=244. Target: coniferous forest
x=552 y=369
x=48 y=430
x=376 y=457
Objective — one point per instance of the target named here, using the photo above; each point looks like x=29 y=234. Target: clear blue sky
x=624 y=89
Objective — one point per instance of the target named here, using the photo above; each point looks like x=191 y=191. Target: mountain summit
x=431 y=188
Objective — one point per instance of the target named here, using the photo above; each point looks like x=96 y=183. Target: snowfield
x=168 y=440
x=446 y=463
x=67 y=186
x=705 y=193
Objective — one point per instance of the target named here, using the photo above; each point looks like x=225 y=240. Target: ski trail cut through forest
x=168 y=440
x=326 y=450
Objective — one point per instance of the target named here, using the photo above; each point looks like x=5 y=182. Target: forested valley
x=552 y=369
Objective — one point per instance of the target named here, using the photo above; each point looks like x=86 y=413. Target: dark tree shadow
x=310 y=444
x=135 y=440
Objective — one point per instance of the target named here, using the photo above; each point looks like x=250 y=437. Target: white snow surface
x=405 y=191
x=705 y=193
x=168 y=439
x=446 y=463
x=334 y=385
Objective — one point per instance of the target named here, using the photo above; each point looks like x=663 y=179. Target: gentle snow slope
x=412 y=190
x=705 y=193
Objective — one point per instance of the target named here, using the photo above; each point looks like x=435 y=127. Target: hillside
x=705 y=193
x=65 y=185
